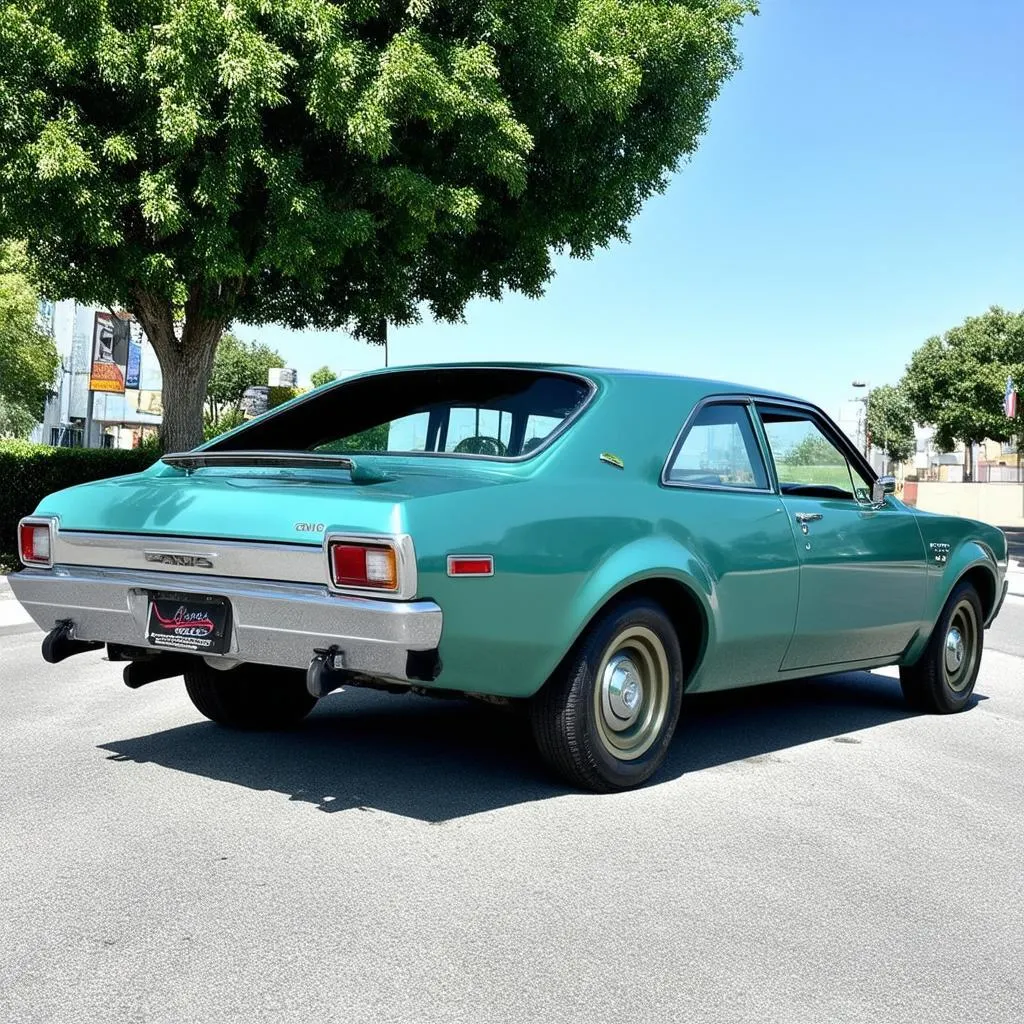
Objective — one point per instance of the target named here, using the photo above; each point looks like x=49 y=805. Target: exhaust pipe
x=160 y=666
x=60 y=643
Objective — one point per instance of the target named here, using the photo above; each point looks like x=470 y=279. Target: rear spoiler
x=360 y=473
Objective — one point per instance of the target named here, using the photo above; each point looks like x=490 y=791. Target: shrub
x=28 y=472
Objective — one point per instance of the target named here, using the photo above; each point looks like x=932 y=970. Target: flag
x=1010 y=400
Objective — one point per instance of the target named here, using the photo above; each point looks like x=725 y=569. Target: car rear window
x=495 y=413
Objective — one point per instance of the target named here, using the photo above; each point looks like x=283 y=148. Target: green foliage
x=29 y=472
x=318 y=378
x=236 y=366
x=325 y=164
x=15 y=420
x=813 y=450
x=278 y=396
x=28 y=358
x=891 y=422
x=375 y=439
x=214 y=428
x=956 y=382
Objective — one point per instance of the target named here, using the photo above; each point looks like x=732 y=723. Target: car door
x=725 y=510
x=862 y=566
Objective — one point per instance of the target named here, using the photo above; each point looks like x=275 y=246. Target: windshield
x=500 y=413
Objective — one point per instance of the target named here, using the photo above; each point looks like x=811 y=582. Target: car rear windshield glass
x=500 y=413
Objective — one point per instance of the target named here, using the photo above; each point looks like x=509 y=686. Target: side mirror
x=881 y=487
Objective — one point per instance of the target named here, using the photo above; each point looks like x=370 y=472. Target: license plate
x=186 y=623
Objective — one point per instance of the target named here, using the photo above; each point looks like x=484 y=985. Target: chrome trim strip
x=405 y=560
x=255 y=560
x=272 y=623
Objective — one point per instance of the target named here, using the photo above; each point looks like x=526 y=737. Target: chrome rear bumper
x=272 y=623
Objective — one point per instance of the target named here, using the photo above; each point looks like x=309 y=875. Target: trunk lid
x=291 y=505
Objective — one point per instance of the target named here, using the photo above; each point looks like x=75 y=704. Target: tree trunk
x=185 y=363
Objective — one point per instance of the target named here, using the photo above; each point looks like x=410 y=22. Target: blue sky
x=861 y=187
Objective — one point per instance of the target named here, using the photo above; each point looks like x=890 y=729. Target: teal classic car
x=590 y=543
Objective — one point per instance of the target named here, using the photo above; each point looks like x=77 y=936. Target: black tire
x=938 y=682
x=571 y=713
x=250 y=696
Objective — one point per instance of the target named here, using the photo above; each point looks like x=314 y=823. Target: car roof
x=710 y=385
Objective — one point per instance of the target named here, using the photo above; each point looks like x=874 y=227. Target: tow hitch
x=325 y=672
x=60 y=643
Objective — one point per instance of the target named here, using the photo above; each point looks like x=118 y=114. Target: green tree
x=28 y=358
x=813 y=450
x=890 y=420
x=236 y=366
x=956 y=382
x=318 y=378
x=315 y=163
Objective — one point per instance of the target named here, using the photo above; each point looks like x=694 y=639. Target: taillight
x=34 y=543
x=364 y=566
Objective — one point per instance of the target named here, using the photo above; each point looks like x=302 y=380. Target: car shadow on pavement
x=436 y=760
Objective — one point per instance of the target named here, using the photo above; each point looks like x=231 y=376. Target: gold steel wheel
x=960 y=648
x=631 y=693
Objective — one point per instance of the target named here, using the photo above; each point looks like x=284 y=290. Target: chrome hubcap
x=960 y=651
x=631 y=693
x=622 y=692
x=954 y=650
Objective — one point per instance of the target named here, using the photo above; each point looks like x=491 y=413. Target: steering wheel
x=480 y=445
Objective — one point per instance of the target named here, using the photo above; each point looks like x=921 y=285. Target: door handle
x=807 y=517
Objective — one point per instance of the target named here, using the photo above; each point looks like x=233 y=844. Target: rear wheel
x=605 y=719
x=250 y=696
x=943 y=678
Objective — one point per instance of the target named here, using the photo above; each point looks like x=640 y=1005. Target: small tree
x=956 y=382
x=318 y=378
x=236 y=367
x=813 y=450
x=28 y=358
x=325 y=164
x=890 y=423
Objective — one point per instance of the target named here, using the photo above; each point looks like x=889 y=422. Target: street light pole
x=865 y=400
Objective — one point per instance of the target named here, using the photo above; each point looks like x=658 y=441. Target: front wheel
x=605 y=719
x=250 y=696
x=942 y=680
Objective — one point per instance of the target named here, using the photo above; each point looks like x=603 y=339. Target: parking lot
x=812 y=852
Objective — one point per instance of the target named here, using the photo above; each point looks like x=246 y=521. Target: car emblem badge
x=940 y=552
x=187 y=561
x=309 y=527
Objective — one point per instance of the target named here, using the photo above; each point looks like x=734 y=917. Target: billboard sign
x=109 y=354
x=133 y=370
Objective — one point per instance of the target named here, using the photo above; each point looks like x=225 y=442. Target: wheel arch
x=983 y=579
x=676 y=581
x=973 y=565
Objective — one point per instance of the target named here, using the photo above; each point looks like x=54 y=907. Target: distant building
x=120 y=420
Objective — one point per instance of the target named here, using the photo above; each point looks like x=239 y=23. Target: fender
x=968 y=555
x=654 y=557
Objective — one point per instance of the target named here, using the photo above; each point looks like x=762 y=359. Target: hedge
x=28 y=472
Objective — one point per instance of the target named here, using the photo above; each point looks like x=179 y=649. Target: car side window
x=720 y=449
x=807 y=460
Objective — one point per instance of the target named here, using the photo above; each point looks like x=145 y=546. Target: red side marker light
x=470 y=565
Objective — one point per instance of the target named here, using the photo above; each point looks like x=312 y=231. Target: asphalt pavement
x=811 y=853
